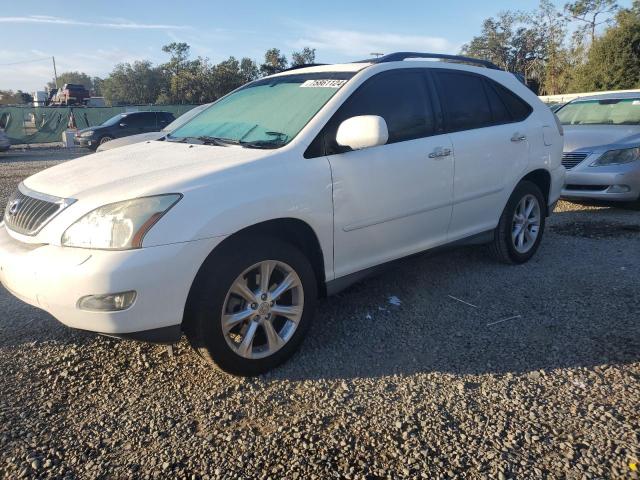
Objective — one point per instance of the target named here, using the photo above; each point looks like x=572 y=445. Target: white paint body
x=366 y=207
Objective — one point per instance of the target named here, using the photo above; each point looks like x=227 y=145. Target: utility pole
x=376 y=54
x=55 y=73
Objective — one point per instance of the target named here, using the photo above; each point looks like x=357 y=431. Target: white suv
x=287 y=189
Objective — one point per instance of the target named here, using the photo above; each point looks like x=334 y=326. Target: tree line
x=182 y=80
x=588 y=45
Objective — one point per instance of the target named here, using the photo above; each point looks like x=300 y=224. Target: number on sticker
x=323 y=83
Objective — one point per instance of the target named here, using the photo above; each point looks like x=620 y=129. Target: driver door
x=394 y=199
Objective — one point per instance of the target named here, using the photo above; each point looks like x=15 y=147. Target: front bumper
x=87 y=142
x=55 y=278
x=613 y=182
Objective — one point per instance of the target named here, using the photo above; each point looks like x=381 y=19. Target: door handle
x=517 y=137
x=440 y=152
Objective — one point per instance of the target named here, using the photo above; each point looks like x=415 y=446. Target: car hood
x=131 y=139
x=140 y=169
x=595 y=137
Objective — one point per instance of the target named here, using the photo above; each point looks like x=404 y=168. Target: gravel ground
x=539 y=379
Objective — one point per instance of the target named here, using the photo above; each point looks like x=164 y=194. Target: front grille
x=571 y=159
x=27 y=212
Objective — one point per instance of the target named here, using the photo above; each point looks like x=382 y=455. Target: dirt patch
x=597 y=229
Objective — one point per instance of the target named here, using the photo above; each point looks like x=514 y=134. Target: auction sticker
x=323 y=83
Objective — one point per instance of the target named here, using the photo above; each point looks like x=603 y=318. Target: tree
x=510 y=42
x=274 y=62
x=179 y=52
x=97 y=86
x=9 y=97
x=529 y=43
x=556 y=64
x=306 y=57
x=137 y=83
x=613 y=62
x=79 y=78
x=589 y=12
x=248 y=70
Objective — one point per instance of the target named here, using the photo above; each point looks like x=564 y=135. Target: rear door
x=491 y=149
x=394 y=199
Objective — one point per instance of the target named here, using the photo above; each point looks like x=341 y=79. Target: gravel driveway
x=537 y=375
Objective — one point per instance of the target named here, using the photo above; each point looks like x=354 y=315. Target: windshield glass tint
x=185 y=117
x=601 y=112
x=113 y=120
x=272 y=110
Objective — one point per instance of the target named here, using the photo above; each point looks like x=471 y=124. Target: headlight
x=616 y=157
x=87 y=134
x=119 y=226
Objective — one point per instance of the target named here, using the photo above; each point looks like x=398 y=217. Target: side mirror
x=123 y=125
x=363 y=131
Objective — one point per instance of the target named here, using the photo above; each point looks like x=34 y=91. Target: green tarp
x=46 y=124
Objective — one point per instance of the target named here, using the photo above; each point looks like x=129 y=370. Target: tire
x=212 y=301
x=504 y=247
x=104 y=140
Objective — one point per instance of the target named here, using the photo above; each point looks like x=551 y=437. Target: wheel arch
x=542 y=179
x=290 y=230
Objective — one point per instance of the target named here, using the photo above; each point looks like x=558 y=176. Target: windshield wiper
x=221 y=142
x=275 y=143
x=203 y=140
x=280 y=140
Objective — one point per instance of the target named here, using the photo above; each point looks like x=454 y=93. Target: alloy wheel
x=262 y=309
x=526 y=224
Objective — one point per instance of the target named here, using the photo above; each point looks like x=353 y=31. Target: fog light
x=112 y=302
x=619 y=189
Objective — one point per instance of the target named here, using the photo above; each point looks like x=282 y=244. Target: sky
x=93 y=36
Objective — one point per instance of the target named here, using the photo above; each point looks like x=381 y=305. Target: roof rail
x=399 y=56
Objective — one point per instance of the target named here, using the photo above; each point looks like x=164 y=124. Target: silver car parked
x=602 y=147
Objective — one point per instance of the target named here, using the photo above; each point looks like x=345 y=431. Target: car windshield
x=113 y=120
x=267 y=113
x=601 y=112
x=185 y=117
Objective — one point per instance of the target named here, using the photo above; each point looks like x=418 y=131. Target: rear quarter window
x=518 y=108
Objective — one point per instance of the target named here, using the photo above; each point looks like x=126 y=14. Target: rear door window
x=464 y=100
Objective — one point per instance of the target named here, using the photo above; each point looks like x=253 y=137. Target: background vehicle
x=71 y=94
x=602 y=147
x=123 y=125
x=146 y=137
x=291 y=187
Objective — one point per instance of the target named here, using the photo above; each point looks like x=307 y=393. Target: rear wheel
x=251 y=305
x=519 y=232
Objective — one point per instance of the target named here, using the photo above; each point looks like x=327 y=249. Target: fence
x=27 y=125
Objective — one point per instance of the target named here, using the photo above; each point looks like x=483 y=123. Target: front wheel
x=251 y=306
x=519 y=232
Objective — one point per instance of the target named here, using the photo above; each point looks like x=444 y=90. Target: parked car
x=147 y=137
x=123 y=125
x=292 y=187
x=71 y=94
x=602 y=147
x=5 y=143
